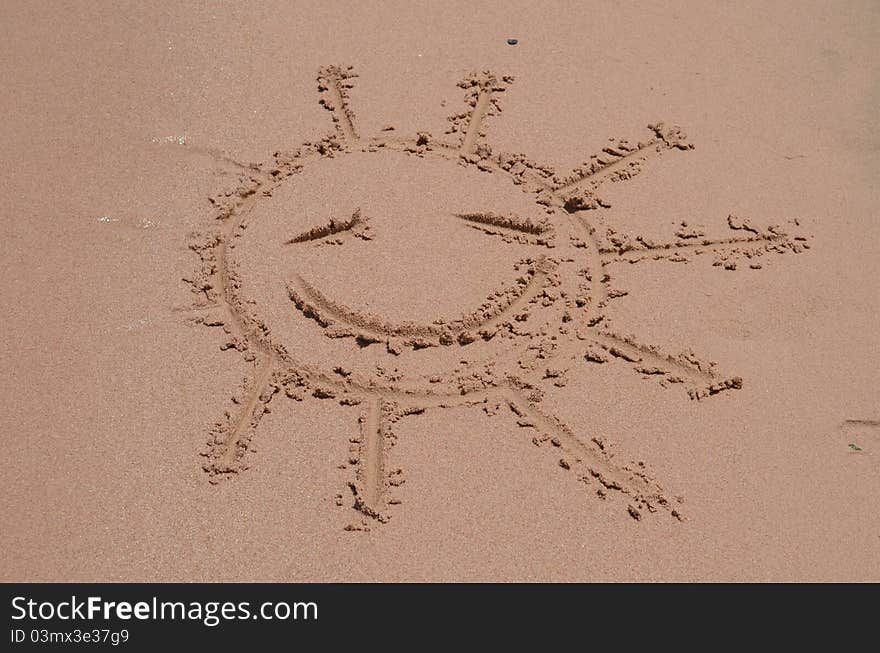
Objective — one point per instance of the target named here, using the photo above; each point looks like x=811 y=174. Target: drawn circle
x=410 y=272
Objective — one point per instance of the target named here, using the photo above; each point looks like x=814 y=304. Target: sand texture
x=294 y=292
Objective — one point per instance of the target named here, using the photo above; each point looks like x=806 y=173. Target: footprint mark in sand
x=505 y=353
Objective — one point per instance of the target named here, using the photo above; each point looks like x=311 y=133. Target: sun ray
x=619 y=161
x=646 y=358
x=481 y=88
x=231 y=437
x=590 y=460
x=666 y=250
x=334 y=84
x=369 y=485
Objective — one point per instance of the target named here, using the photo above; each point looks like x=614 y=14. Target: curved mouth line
x=341 y=321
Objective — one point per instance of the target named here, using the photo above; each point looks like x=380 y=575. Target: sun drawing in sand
x=265 y=262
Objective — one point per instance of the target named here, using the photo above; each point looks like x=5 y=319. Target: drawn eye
x=357 y=225
x=510 y=227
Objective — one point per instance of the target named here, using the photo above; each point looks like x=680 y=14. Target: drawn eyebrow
x=511 y=222
x=356 y=221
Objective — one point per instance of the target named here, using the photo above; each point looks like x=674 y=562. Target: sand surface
x=293 y=292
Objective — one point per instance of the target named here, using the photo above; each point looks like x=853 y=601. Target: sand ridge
x=526 y=335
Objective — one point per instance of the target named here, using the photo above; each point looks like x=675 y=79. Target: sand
x=298 y=293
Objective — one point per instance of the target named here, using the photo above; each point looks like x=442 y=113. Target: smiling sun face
x=411 y=268
x=400 y=275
